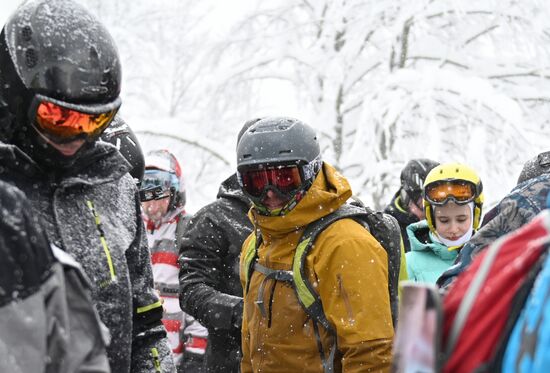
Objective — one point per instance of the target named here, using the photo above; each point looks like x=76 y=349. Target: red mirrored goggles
x=459 y=191
x=286 y=179
x=64 y=121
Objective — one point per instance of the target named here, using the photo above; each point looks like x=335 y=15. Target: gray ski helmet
x=277 y=140
x=121 y=135
x=57 y=49
x=412 y=178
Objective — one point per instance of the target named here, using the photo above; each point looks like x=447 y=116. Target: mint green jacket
x=428 y=259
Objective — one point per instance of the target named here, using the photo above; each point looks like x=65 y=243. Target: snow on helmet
x=163 y=170
x=249 y=123
x=277 y=145
x=412 y=179
x=121 y=135
x=58 y=62
x=452 y=182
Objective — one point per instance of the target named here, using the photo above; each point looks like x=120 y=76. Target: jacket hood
x=101 y=164
x=328 y=192
x=230 y=188
x=421 y=229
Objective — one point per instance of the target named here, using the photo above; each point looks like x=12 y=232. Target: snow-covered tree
x=388 y=81
x=382 y=82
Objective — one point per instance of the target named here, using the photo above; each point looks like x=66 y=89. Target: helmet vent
x=31 y=57
x=26 y=33
x=288 y=151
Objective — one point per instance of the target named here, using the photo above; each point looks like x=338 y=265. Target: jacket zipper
x=345 y=297
x=103 y=241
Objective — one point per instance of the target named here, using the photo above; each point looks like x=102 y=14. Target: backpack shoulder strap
x=307 y=295
x=383 y=227
x=250 y=256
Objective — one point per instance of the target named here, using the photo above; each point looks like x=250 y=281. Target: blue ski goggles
x=158 y=184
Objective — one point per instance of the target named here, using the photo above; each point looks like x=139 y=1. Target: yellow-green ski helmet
x=452 y=182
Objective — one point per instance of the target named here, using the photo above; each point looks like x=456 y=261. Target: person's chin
x=274 y=207
x=68 y=149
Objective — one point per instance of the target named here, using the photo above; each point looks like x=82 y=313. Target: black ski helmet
x=412 y=179
x=277 y=141
x=535 y=167
x=121 y=135
x=56 y=49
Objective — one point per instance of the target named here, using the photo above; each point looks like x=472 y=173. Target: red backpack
x=468 y=330
x=482 y=303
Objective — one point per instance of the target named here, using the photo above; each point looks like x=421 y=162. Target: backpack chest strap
x=275 y=274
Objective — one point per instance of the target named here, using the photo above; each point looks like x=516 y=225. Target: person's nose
x=270 y=193
x=453 y=228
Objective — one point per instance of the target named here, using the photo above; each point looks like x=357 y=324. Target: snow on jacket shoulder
x=348 y=269
x=427 y=259
x=92 y=211
x=48 y=322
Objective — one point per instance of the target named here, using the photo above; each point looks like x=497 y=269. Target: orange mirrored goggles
x=459 y=191
x=66 y=121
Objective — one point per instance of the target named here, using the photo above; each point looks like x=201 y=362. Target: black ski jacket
x=92 y=211
x=209 y=275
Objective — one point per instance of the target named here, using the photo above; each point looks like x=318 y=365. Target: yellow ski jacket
x=348 y=269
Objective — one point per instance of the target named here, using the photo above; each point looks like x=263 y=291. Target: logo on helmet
x=94 y=89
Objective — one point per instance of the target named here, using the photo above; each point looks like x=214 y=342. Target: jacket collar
x=439 y=249
x=230 y=188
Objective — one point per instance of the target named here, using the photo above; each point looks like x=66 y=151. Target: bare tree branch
x=441 y=59
x=189 y=142
x=405 y=42
x=479 y=34
x=533 y=73
x=360 y=77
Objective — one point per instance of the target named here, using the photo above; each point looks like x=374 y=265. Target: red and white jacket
x=184 y=332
